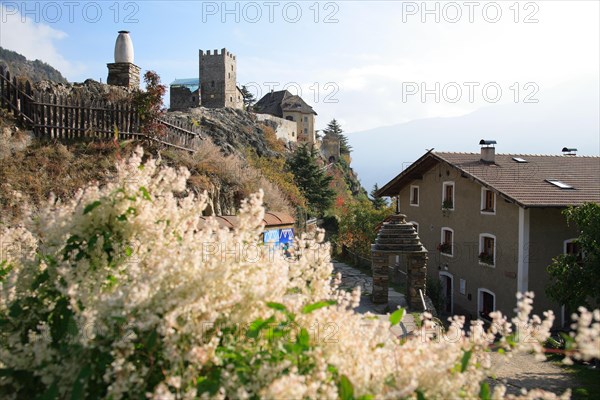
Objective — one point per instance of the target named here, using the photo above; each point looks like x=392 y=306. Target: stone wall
x=286 y=130
x=124 y=74
x=182 y=98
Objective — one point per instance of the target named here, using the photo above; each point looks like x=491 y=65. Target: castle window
x=232 y=67
x=231 y=99
x=229 y=75
x=305 y=119
x=305 y=130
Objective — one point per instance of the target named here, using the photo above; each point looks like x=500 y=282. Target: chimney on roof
x=488 y=151
x=569 y=151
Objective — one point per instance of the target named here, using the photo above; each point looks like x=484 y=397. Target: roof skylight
x=559 y=184
x=519 y=160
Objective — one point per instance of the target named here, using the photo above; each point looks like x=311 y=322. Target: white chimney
x=488 y=151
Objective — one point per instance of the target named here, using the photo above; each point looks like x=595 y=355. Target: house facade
x=493 y=223
x=291 y=107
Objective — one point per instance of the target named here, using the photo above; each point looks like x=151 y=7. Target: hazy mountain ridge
x=571 y=107
x=35 y=71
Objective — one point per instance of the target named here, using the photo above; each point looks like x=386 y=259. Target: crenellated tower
x=218 y=77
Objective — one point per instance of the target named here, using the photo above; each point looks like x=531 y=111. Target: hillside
x=36 y=70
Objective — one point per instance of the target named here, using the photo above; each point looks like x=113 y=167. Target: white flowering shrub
x=125 y=292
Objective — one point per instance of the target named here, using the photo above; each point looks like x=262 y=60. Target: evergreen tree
x=378 y=202
x=248 y=97
x=334 y=128
x=311 y=179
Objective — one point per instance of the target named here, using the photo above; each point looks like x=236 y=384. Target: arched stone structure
x=396 y=238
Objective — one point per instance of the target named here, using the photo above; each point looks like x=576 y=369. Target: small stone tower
x=123 y=72
x=218 y=77
x=396 y=238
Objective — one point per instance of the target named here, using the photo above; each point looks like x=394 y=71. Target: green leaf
x=257 y=325
x=128 y=251
x=303 y=338
x=420 y=395
x=91 y=206
x=145 y=193
x=465 y=361
x=346 y=390
x=315 y=306
x=276 y=306
x=397 y=316
x=50 y=394
x=484 y=392
x=79 y=385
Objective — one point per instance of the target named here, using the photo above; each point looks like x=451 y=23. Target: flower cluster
x=120 y=292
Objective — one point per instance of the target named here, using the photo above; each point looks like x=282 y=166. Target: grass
x=588 y=379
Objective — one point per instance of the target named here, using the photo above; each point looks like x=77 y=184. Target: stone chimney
x=488 y=151
x=123 y=72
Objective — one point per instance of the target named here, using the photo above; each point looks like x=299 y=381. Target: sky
x=368 y=64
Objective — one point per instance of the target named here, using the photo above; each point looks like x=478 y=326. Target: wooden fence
x=71 y=117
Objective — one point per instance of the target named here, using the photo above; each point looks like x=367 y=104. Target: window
x=486 y=303
x=289 y=118
x=446 y=245
x=305 y=130
x=559 y=184
x=462 y=286
x=414 y=195
x=212 y=84
x=573 y=248
x=231 y=99
x=488 y=201
x=448 y=195
x=487 y=249
x=229 y=75
x=305 y=119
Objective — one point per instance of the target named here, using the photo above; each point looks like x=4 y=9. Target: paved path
x=520 y=371
x=352 y=277
x=524 y=371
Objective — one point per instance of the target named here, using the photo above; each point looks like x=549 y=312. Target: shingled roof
x=525 y=183
x=275 y=103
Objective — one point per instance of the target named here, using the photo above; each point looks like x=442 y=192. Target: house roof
x=525 y=183
x=271 y=220
x=192 y=83
x=275 y=103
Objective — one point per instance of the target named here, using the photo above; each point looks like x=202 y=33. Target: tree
x=150 y=104
x=334 y=128
x=358 y=223
x=378 y=202
x=248 y=97
x=311 y=179
x=575 y=278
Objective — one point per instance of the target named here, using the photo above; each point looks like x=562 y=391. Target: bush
x=123 y=292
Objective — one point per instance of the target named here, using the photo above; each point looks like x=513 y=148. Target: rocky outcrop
x=231 y=129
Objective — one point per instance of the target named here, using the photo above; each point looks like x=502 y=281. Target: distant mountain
x=567 y=115
x=36 y=70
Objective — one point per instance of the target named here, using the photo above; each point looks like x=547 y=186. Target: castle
x=216 y=87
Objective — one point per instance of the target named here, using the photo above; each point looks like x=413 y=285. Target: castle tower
x=123 y=72
x=218 y=77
